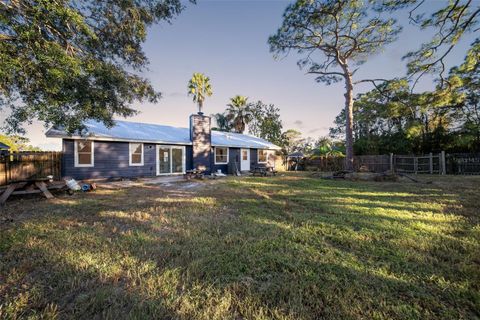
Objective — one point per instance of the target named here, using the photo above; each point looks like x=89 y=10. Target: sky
x=227 y=40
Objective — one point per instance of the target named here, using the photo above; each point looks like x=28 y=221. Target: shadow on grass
x=250 y=248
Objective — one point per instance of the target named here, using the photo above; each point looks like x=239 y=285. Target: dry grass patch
x=290 y=247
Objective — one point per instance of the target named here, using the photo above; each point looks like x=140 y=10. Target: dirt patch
x=170 y=182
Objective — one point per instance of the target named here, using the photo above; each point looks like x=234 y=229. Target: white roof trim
x=246 y=147
x=100 y=138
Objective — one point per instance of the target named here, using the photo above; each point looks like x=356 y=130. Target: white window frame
x=130 y=153
x=215 y=155
x=170 y=147
x=258 y=156
x=92 y=156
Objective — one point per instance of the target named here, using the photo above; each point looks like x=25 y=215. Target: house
x=4 y=149
x=131 y=149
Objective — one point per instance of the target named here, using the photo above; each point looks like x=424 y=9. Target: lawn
x=288 y=247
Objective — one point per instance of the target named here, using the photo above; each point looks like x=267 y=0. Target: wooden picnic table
x=194 y=173
x=30 y=186
x=263 y=171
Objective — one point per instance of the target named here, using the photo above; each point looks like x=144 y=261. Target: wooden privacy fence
x=17 y=166
x=322 y=164
x=376 y=163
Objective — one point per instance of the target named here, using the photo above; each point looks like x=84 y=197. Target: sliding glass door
x=164 y=160
x=170 y=160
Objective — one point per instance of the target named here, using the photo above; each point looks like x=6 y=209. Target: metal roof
x=3 y=146
x=154 y=133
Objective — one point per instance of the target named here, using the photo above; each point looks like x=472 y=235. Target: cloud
x=318 y=129
x=298 y=123
x=174 y=94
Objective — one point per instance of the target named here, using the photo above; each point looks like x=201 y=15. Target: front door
x=170 y=160
x=245 y=159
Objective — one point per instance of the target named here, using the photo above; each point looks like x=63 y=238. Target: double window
x=221 y=155
x=135 y=154
x=84 y=153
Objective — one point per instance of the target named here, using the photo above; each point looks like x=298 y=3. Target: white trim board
x=75 y=155
x=130 y=163
x=215 y=155
x=170 y=147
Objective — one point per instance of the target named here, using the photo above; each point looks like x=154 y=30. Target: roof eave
x=247 y=147
x=100 y=138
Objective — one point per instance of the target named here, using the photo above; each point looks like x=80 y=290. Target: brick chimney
x=201 y=137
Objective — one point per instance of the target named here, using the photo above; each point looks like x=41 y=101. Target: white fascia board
x=98 y=138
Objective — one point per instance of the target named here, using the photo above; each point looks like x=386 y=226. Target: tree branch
x=329 y=73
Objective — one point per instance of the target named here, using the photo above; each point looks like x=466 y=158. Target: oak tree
x=65 y=61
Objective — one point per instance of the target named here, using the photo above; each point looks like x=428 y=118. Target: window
x=262 y=156
x=84 y=153
x=221 y=155
x=245 y=155
x=136 y=154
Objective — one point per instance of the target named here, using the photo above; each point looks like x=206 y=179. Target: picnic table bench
x=263 y=171
x=31 y=186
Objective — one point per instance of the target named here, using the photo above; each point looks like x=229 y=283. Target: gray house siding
x=254 y=159
x=111 y=160
x=233 y=155
x=189 y=157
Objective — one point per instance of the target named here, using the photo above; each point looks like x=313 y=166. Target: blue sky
x=227 y=40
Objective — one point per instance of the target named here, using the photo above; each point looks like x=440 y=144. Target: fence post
x=5 y=167
x=431 y=162
x=442 y=161
x=8 y=174
x=415 y=164
x=391 y=163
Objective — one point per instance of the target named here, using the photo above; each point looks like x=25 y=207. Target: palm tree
x=199 y=87
x=223 y=122
x=239 y=112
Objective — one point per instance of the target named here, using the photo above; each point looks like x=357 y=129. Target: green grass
x=291 y=247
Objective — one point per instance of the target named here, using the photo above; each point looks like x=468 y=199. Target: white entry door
x=244 y=159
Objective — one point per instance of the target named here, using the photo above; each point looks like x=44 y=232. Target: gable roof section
x=144 y=132
x=230 y=139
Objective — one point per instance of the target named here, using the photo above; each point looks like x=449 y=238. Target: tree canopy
x=199 y=87
x=266 y=122
x=334 y=38
x=65 y=61
x=453 y=21
x=390 y=118
x=17 y=143
x=239 y=113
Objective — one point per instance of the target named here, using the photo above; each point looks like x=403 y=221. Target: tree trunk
x=200 y=105
x=349 y=116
